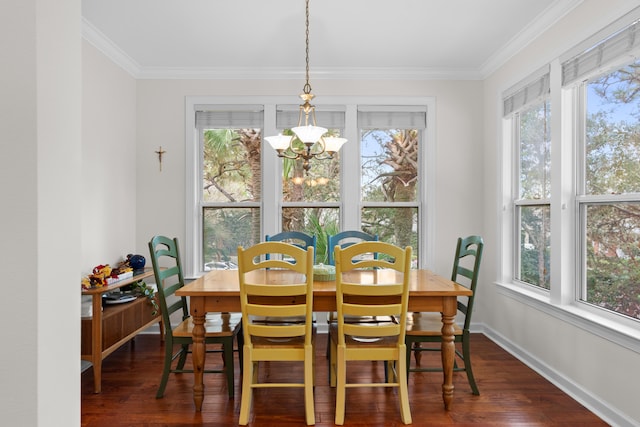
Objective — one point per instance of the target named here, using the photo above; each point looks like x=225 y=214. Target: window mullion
x=271 y=177
x=563 y=242
x=351 y=176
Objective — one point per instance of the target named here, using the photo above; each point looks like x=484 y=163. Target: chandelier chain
x=307 y=86
x=307 y=141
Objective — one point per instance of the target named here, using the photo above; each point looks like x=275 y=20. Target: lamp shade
x=309 y=134
x=279 y=142
x=333 y=144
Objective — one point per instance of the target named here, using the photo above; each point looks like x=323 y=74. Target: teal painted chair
x=220 y=328
x=427 y=327
x=297 y=238
x=347 y=238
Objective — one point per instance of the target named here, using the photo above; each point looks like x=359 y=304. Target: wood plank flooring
x=510 y=394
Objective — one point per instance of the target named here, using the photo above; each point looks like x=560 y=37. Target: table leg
x=96 y=342
x=448 y=349
x=198 y=350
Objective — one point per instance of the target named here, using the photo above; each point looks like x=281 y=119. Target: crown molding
x=95 y=37
x=356 y=73
x=120 y=58
x=556 y=11
x=546 y=19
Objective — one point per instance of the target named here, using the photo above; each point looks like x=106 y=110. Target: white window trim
x=561 y=301
x=271 y=167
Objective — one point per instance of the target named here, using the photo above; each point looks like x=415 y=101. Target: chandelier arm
x=325 y=155
x=283 y=154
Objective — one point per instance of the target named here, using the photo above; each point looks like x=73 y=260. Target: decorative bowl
x=324 y=273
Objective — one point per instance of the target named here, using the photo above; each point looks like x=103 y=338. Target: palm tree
x=399 y=185
x=251 y=140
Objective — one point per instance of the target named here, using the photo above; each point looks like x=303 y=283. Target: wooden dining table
x=219 y=291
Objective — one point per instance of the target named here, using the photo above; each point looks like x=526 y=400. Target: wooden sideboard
x=110 y=327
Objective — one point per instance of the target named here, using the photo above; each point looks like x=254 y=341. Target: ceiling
x=466 y=39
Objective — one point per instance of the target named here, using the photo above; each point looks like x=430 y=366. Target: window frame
x=518 y=201
x=350 y=203
x=562 y=301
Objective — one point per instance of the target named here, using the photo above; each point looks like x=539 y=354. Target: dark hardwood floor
x=510 y=394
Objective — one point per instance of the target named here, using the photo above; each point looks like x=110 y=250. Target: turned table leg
x=198 y=350
x=448 y=349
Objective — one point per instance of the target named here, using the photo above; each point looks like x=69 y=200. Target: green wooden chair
x=297 y=238
x=220 y=328
x=347 y=238
x=427 y=327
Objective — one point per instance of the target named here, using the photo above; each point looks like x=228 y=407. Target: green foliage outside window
x=232 y=174
x=612 y=171
x=535 y=186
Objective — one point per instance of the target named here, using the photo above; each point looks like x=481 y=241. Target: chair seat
x=275 y=342
x=218 y=324
x=369 y=342
x=332 y=318
x=274 y=319
x=427 y=324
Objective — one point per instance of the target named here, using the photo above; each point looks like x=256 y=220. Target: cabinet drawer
x=118 y=321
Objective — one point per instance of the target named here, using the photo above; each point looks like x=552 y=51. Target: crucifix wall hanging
x=160 y=152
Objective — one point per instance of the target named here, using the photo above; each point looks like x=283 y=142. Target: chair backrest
x=167 y=269
x=466 y=268
x=347 y=238
x=383 y=289
x=297 y=238
x=283 y=292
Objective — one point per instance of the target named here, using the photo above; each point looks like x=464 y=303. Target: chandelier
x=308 y=141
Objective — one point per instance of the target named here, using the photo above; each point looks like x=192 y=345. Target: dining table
x=219 y=291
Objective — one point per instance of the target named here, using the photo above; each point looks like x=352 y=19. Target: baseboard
x=605 y=410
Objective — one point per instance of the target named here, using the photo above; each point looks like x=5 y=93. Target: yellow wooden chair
x=220 y=328
x=345 y=239
x=427 y=327
x=276 y=288
x=296 y=238
x=381 y=288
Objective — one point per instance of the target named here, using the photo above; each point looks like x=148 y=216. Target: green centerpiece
x=324 y=273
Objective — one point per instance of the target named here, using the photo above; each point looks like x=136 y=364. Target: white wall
x=40 y=117
x=596 y=371
x=109 y=167
x=161 y=106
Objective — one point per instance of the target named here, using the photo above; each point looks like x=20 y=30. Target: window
x=239 y=190
x=311 y=201
x=591 y=265
x=605 y=80
x=390 y=147
x=609 y=194
x=229 y=197
x=529 y=108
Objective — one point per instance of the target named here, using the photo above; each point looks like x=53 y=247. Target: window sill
x=621 y=333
